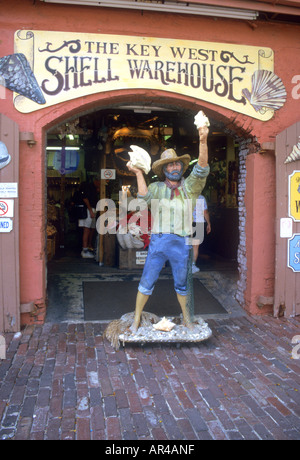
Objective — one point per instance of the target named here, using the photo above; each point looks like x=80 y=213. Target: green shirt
x=176 y=215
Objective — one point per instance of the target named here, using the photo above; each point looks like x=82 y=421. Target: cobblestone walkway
x=63 y=381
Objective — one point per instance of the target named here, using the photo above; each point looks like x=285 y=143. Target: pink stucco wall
x=260 y=230
x=283 y=39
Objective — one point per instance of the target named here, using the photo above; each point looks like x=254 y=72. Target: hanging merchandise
x=66 y=161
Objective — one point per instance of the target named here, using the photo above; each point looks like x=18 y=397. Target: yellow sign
x=71 y=65
x=294 y=196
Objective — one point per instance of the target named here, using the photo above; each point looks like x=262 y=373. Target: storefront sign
x=6 y=225
x=71 y=65
x=294 y=253
x=294 y=195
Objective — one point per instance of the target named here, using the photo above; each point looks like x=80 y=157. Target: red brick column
x=260 y=202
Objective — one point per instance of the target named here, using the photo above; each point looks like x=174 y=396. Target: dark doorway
x=100 y=141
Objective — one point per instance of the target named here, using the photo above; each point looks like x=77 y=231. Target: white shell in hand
x=140 y=158
x=201 y=120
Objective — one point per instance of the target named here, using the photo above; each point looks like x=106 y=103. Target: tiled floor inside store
x=67 y=273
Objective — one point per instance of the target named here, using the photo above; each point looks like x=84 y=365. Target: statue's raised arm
x=202 y=124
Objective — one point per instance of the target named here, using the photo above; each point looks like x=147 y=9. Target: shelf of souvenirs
x=69 y=181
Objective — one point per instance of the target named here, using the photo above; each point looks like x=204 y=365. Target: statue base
x=119 y=331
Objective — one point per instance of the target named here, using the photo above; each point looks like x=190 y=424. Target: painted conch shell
x=268 y=91
x=164 y=325
x=18 y=77
x=294 y=155
x=140 y=158
x=201 y=120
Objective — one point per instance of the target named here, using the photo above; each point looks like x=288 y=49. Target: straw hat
x=169 y=156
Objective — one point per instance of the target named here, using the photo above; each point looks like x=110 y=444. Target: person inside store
x=170 y=230
x=200 y=217
x=89 y=192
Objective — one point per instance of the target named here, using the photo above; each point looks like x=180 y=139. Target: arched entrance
x=99 y=140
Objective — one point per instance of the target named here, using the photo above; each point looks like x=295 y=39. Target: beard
x=174 y=175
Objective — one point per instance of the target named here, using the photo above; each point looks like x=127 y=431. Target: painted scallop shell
x=294 y=155
x=4 y=155
x=268 y=91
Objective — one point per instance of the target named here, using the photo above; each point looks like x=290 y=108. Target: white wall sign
x=6 y=225
x=6 y=208
x=8 y=190
x=141 y=257
x=286 y=227
x=108 y=174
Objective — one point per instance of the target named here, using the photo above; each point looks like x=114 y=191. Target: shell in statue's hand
x=140 y=158
x=164 y=325
x=201 y=120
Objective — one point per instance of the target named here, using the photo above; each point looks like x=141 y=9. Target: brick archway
x=232 y=124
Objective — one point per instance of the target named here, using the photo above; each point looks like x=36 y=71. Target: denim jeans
x=163 y=247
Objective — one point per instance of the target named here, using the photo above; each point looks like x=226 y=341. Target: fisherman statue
x=171 y=231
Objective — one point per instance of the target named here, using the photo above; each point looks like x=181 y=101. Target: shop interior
x=96 y=145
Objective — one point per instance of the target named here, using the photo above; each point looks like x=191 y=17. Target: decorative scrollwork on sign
x=73 y=49
x=227 y=55
x=262 y=53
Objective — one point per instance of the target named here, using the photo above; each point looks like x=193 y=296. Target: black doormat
x=109 y=300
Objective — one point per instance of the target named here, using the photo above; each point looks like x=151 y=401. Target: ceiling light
x=168 y=7
x=60 y=148
x=141 y=110
x=150 y=108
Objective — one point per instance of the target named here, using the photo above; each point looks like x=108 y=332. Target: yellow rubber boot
x=141 y=300
x=182 y=299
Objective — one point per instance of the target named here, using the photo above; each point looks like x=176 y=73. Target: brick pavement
x=62 y=381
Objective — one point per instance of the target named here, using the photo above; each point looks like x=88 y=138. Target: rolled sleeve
x=201 y=171
x=196 y=181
